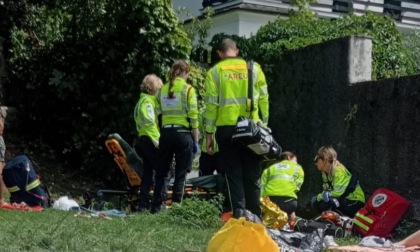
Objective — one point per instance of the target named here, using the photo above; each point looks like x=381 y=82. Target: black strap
x=250 y=100
x=351 y=187
x=45 y=199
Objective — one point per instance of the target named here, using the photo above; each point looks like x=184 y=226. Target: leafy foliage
x=242 y=43
x=198 y=29
x=390 y=58
x=80 y=81
x=412 y=43
x=197 y=212
x=196 y=79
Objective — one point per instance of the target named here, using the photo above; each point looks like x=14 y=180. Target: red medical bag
x=381 y=214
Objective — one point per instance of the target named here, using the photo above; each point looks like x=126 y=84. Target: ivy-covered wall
x=372 y=125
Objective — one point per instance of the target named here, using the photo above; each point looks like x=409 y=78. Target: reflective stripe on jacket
x=227 y=93
x=282 y=179
x=179 y=110
x=339 y=181
x=146 y=117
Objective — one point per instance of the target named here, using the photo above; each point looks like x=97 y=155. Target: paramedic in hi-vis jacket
x=179 y=135
x=226 y=96
x=340 y=192
x=147 y=144
x=281 y=181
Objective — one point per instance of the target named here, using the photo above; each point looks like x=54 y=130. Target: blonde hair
x=330 y=155
x=151 y=83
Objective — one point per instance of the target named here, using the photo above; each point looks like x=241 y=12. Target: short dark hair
x=227 y=44
x=285 y=155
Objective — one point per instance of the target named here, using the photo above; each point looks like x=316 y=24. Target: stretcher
x=131 y=165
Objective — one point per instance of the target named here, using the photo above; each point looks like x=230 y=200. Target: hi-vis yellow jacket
x=338 y=183
x=282 y=179
x=227 y=93
x=182 y=108
x=146 y=117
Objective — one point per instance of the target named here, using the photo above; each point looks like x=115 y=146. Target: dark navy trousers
x=173 y=143
x=242 y=170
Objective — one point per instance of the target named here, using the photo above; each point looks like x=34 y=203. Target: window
x=392 y=8
x=342 y=5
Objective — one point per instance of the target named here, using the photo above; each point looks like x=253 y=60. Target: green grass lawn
x=54 y=230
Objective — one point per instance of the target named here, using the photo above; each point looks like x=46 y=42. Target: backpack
x=254 y=136
x=23 y=183
x=381 y=214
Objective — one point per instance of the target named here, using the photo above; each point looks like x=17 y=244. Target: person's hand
x=209 y=144
x=195 y=147
x=313 y=199
x=326 y=196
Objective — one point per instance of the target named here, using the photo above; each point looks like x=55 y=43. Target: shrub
x=197 y=212
x=390 y=58
x=80 y=81
x=412 y=43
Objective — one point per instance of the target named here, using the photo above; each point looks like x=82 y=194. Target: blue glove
x=326 y=196
x=313 y=199
x=195 y=147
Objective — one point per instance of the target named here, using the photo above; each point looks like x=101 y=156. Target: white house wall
x=239 y=22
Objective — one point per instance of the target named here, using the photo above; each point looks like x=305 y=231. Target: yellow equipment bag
x=242 y=235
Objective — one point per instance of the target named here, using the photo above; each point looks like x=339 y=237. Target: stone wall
x=383 y=140
x=321 y=95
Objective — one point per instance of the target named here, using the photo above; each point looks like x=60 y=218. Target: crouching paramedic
x=342 y=191
x=179 y=134
x=281 y=181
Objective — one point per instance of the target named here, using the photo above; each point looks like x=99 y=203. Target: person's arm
x=1 y=126
x=2 y=164
x=263 y=181
x=209 y=143
x=410 y=241
x=195 y=134
x=158 y=104
x=193 y=111
x=146 y=120
x=193 y=116
x=201 y=127
x=212 y=107
x=340 y=181
x=299 y=178
x=212 y=101
x=263 y=102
